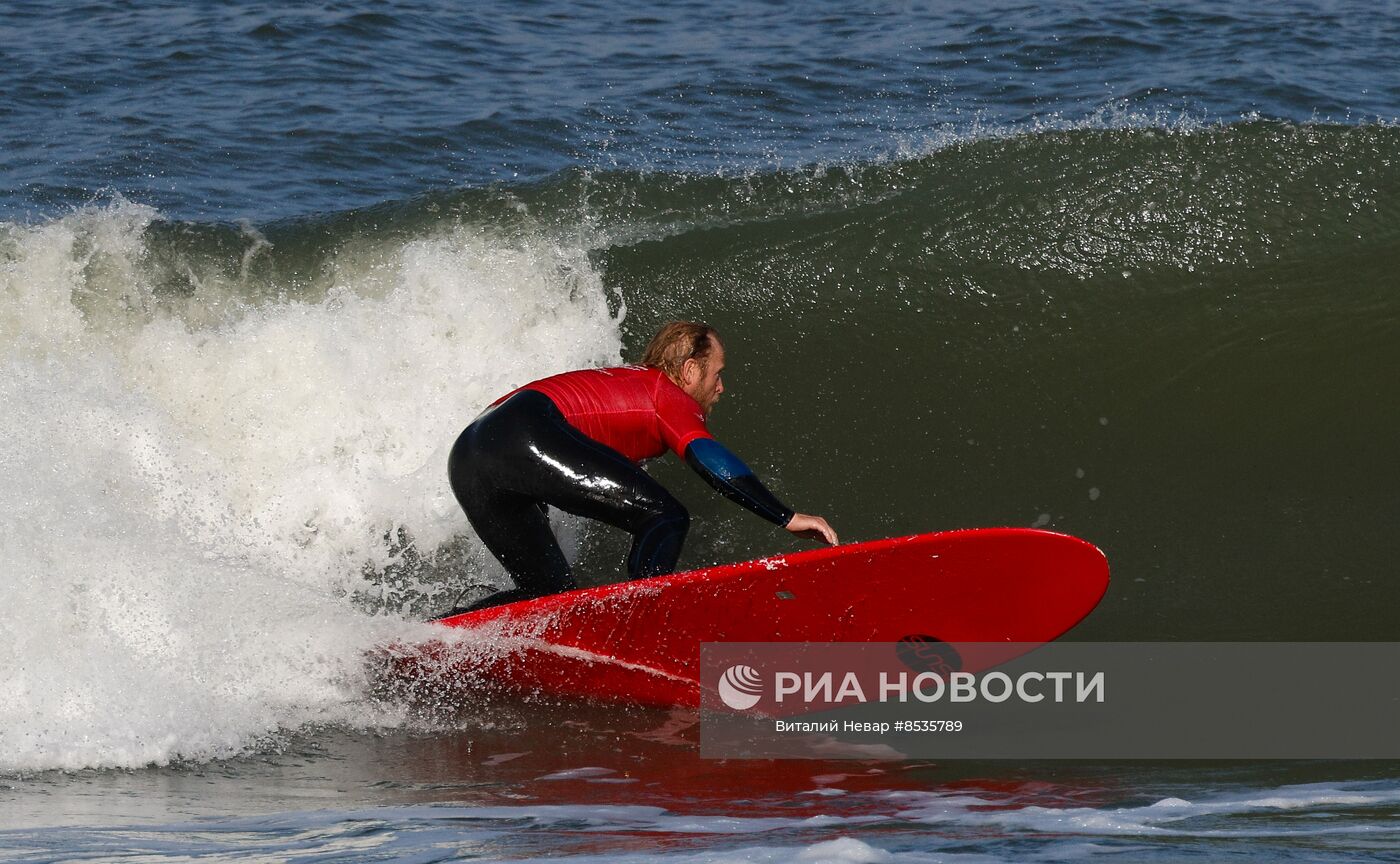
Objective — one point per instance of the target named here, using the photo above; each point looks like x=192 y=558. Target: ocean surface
x=1125 y=271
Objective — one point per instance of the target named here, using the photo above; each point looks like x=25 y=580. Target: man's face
x=702 y=381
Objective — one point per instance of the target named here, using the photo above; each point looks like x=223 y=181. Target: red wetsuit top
x=636 y=410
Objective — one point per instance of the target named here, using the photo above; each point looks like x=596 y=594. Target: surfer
x=575 y=441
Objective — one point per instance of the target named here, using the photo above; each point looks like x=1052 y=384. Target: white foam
x=191 y=495
x=578 y=773
x=844 y=849
x=1169 y=816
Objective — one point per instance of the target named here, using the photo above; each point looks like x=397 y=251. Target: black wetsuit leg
x=522 y=454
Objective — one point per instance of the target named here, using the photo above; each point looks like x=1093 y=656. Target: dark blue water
x=261 y=111
x=1125 y=271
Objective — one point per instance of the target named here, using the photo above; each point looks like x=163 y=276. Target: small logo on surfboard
x=928 y=654
x=740 y=687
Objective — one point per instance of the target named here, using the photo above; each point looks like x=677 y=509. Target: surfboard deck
x=639 y=642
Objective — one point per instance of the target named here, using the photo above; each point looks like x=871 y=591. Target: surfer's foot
x=469 y=598
x=486 y=597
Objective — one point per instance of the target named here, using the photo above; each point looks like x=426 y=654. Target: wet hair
x=677 y=342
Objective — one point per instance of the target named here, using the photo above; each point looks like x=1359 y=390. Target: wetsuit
x=574 y=441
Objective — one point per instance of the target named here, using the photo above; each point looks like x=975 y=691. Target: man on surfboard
x=575 y=441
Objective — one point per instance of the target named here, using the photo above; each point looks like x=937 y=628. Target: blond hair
x=677 y=342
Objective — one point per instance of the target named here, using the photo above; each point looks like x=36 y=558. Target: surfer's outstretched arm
x=734 y=480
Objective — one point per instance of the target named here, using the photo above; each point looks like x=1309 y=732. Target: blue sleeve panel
x=734 y=480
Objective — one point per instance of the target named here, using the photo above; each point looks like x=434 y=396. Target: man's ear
x=690 y=371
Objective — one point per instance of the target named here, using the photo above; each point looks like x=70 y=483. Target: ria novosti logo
x=740 y=687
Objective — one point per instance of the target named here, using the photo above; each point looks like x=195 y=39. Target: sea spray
x=197 y=485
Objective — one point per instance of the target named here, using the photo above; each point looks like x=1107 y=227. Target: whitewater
x=198 y=483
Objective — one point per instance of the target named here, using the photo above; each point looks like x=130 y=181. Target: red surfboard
x=639 y=642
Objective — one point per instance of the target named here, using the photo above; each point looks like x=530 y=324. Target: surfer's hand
x=811 y=527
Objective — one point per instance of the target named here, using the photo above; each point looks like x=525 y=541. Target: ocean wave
x=228 y=440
